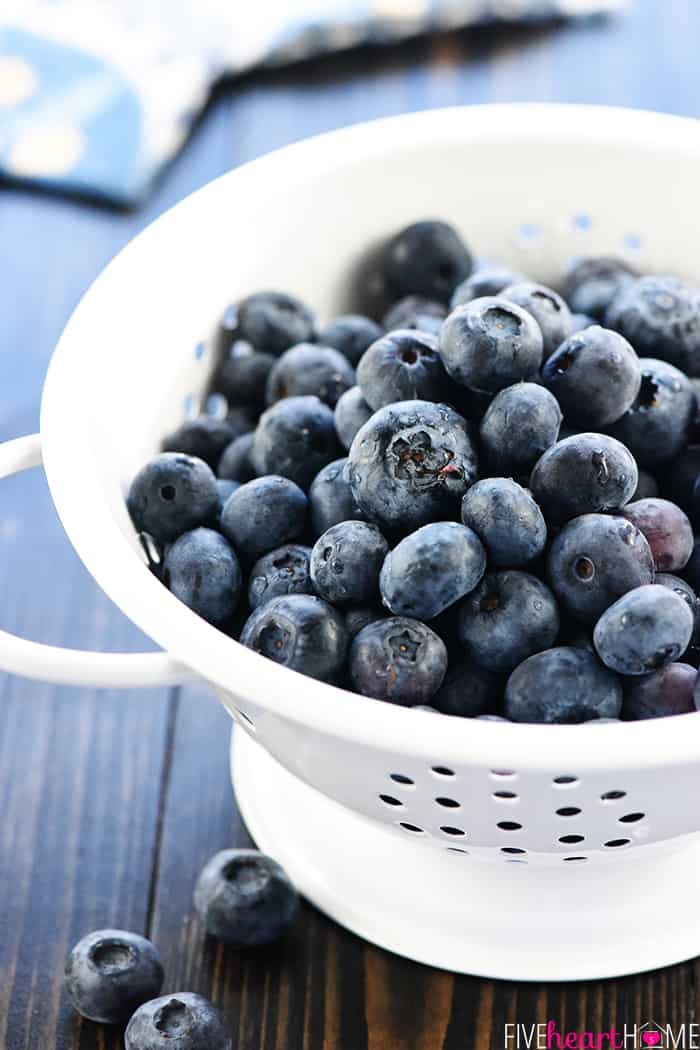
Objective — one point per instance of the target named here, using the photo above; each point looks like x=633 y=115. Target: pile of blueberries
x=114 y=977
x=483 y=504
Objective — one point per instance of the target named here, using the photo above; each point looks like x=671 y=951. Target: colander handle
x=48 y=663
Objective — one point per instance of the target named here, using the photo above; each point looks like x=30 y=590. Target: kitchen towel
x=96 y=95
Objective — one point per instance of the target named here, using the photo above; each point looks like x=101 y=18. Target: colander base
x=452 y=912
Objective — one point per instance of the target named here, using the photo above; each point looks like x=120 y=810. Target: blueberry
x=331 y=499
x=591 y=284
x=667 y=530
x=595 y=376
x=431 y=569
x=203 y=572
x=204 y=437
x=468 y=691
x=594 y=560
x=282 y=571
x=351 y=334
x=301 y=632
x=273 y=321
x=660 y=316
x=668 y=691
x=564 y=684
x=520 y=424
x=111 y=972
x=242 y=375
x=644 y=630
x=691 y=573
x=581 y=321
x=486 y=280
x=410 y=464
x=683 y=589
x=172 y=494
x=345 y=563
x=647 y=486
x=351 y=413
x=226 y=488
x=399 y=660
x=263 y=514
x=583 y=474
x=655 y=427
x=427 y=258
x=402 y=366
x=235 y=464
x=548 y=309
x=180 y=1021
x=506 y=519
x=509 y=616
x=415 y=312
x=362 y=616
x=310 y=369
x=677 y=480
x=490 y=343
x=245 y=898
x=295 y=438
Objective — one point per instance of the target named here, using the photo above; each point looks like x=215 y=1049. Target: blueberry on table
x=656 y=426
x=583 y=474
x=591 y=284
x=273 y=321
x=245 y=898
x=180 y=1021
x=205 y=437
x=485 y=280
x=235 y=464
x=331 y=499
x=468 y=691
x=301 y=632
x=351 y=334
x=506 y=519
x=431 y=569
x=172 y=494
x=519 y=425
x=295 y=438
x=282 y=571
x=110 y=972
x=242 y=376
x=308 y=369
x=399 y=660
x=427 y=258
x=548 y=309
x=402 y=366
x=346 y=561
x=595 y=376
x=644 y=630
x=202 y=570
x=660 y=316
x=565 y=685
x=410 y=464
x=667 y=530
x=594 y=560
x=490 y=343
x=509 y=616
x=264 y=514
x=351 y=413
x=668 y=691
x=415 y=312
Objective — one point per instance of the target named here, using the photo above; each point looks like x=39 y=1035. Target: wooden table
x=110 y=802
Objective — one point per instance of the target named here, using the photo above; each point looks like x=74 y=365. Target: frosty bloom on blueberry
x=485 y=479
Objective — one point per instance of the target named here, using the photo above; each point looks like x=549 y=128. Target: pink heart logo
x=651 y=1038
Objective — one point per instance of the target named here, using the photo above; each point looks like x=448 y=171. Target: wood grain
x=110 y=803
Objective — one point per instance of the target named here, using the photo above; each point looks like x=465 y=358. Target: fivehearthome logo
x=647 y=1035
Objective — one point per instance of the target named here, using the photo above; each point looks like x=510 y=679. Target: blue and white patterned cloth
x=96 y=95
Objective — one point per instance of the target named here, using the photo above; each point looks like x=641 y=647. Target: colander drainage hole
x=246 y=719
x=199 y=351
x=442 y=771
x=505 y=796
x=632 y=818
x=411 y=827
x=568 y=811
x=448 y=803
x=456 y=849
x=448 y=830
x=512 y=849
x=569 y=859
x=614 y=843
x=571 y=839
x=566 y=781
x=502 y=774
x=612 y=796
x=389 y=800
x=509 y=825
x=400 y=778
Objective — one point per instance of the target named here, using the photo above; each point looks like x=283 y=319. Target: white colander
x=519 y=851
